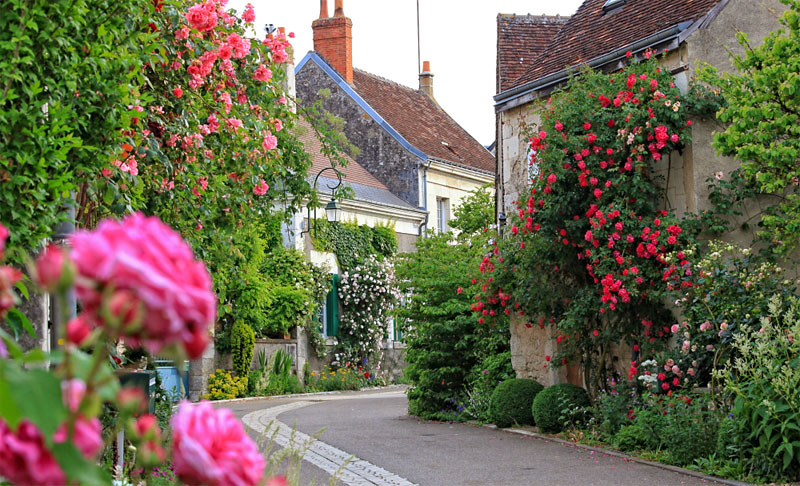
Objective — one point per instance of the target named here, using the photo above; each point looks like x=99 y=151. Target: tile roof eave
x=505 y=100
x=461 y=166
x=319 y=61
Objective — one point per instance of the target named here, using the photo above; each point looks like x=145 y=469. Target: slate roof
x=365 y=186
x=520 y=40
x=591 y=32
x=421 y=121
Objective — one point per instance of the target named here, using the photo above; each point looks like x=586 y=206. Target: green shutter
x=332 y=305
x=398 y=334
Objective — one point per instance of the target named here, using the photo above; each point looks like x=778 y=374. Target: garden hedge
x=511 y=402
x=551 y=401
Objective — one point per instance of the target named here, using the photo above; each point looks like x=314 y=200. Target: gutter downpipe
x=425 y=194
x=559 y=76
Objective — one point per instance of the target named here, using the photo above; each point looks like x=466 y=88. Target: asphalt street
x=380 y=444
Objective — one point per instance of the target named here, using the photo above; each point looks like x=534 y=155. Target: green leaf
x=37 y=396
x=23 y=290
x=77 y=468
x=17 y=320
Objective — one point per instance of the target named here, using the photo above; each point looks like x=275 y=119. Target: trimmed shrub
x=549 y=404
x=634 y=438
x=511 y=402
x=243 y=340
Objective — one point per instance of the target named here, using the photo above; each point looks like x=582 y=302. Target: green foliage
x=342 y=378
x=353 y=243
x=384 y=239
x=476 y=211
x=615 y=407
x=482 y=380
x=549 y=403
x=632 y=438
x=243 y=341
x=60 y=122
x=765 y=385
x=761 y=119
x=512 y=402
x=730 y=291
x=224 y=386
x=444 y=339
x=732 y=441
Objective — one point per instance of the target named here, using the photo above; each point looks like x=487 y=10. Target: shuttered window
x=331 y=324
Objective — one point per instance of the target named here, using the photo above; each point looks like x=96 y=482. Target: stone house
x=535 y=56
x=406 y=140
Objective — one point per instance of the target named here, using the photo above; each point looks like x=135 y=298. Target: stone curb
x=680 y=470
x=337 y=392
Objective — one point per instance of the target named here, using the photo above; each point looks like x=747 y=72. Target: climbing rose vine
x=586 y=248
x=367 y=293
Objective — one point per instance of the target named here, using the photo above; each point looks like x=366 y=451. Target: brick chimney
x=333 y=39
x=426 y=80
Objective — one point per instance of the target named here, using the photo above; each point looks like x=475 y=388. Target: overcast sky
x=458 y=37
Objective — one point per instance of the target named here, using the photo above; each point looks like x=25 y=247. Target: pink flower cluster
x=24 y=457
x=261 y=188
x=202 y=16
x=211 y=448
x=149 y=268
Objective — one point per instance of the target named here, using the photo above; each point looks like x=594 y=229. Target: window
x=612 y=5
x=533 y=166
x=442 y=214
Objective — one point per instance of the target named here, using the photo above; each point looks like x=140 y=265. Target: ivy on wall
x=353 y=243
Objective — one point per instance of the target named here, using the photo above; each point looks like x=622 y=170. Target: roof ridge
x=386 y=80
x=529 y=16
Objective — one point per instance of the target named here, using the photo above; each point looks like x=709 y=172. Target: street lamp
x=333 y=210
x=501 y=219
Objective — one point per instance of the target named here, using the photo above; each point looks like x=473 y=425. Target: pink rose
x=261 y=188
x=155 y=266
x=270 y=141
x=87 y=436
x=24 y=459
x=202 y=16
x=53 y=268
x=72 y=392
x=3 y=237
x=249 y=15
x=211 y=448
x=8 y=277
x=78 y=329
x=262 y=73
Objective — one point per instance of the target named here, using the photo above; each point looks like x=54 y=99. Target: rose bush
x=586 y=249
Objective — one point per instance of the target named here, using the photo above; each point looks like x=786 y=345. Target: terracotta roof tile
x=422 y=122
x=352 y=173
x=591 y=32
x=520 y=40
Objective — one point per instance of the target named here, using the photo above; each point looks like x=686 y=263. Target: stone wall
x=379 y=153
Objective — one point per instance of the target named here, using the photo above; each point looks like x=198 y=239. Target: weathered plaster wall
x=452 y=183
x=515 y=126
x=713 y=45
x=379 y=153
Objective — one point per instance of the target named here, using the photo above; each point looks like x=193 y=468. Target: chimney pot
x=426 y=80
x=333 y=40
x=323 y=9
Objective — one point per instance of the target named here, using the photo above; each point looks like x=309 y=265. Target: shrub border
x=680 y=470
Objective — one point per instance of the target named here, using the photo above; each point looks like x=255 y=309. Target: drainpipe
x=425 y=192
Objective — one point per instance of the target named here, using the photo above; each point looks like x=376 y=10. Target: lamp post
x=333 y=210
x=501 y=219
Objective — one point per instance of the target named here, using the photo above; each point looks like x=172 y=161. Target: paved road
x=385 y=446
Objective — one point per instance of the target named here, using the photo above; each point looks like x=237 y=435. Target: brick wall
x=333 y=39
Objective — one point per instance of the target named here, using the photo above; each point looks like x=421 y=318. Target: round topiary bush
x=548 y=405
x=511 y=402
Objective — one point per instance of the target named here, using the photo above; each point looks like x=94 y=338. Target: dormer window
x=612 y=5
